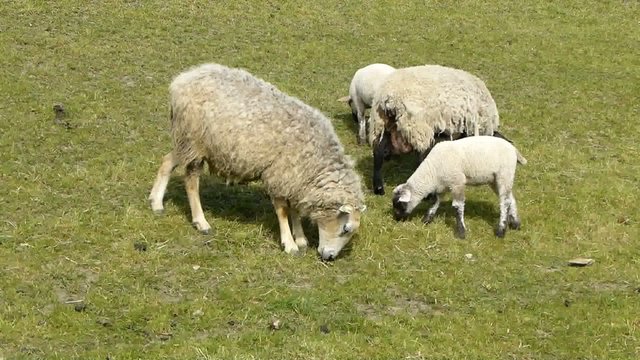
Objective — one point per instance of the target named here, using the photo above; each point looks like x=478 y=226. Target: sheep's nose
x=328 y=254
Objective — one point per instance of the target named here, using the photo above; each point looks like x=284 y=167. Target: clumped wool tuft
x=246 y=129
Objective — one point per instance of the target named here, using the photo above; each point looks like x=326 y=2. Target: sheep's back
x=241 y=123
x=430 y=99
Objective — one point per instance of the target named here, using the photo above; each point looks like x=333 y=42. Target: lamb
x=246 y=129
x=450 y=166
x=363 y=86
x=418 y=106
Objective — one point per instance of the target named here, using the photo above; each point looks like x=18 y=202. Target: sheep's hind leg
x=286 y=239
x=504 y=207
x=160 y=185
x=298 y=232
x=458 y=203
x=431 y=213
x=512 y=218
x=192 y=183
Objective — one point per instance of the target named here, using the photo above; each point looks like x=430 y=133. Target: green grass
x=565 y=75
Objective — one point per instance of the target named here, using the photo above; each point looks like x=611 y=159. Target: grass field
x=75 y=223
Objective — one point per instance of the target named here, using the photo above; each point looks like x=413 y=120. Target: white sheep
x=451 y=165
x=363 y=87
x=418 y=106
x=246 y=129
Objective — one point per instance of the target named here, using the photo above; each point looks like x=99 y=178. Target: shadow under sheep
x=241 y=202
x=483 y=209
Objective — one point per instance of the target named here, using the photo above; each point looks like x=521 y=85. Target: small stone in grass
x=581 y=262
x=275 y=325
x=324 y=328
x=104 y=322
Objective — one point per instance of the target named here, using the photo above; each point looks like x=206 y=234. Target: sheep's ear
x=405 y=195
x=347 y=209
x=362 y=208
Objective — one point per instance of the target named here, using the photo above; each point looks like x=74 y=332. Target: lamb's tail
x=345 y=99
x=521 y=158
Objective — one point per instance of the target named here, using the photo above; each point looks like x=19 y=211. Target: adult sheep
x=362 y=89
x=418 y=106
x=246 y=129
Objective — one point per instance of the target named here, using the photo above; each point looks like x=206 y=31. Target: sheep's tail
x=521 y=158
x=346 y=99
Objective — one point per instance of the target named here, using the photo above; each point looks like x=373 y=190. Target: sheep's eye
x=346 y=228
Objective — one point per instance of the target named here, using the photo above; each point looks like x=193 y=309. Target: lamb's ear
x=347 y=209
x=405 y=195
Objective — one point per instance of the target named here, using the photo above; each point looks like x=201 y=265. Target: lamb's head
x=336 y=230
x=402 y=202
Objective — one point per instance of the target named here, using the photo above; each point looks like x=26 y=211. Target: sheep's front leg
x=160 y=185
x=286 y=239
x=192 y=183
x=431 y=213
x=378 y=158
x=298 y=232
x=457 y=193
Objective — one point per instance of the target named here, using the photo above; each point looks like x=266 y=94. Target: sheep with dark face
x=246 y=129
x=450 y=166
x=419 y=106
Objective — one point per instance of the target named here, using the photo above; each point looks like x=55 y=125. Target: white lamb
x=451 y=165
x=364 y=85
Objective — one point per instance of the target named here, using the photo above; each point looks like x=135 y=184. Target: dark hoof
x=379 y=190
x=427 y=219
x=515 y=225
x=500 y=232
x=158 y=212
x=460 y=234
x=300 y=253
x=205 y=232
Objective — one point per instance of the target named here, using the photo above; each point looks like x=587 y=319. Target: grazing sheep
x=363 y=87
x=246 y=129
x=418 y=106
x=450 y=166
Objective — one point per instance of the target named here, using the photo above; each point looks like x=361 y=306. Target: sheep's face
x=401 y=200
x=335 y=232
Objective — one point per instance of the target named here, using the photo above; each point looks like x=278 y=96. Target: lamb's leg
x=286 y=239
x=160 y=185
x=457 y=193
x=298 y=232
x=431 y=213
x=192 y=183
x=512 y=219
x=379 y=147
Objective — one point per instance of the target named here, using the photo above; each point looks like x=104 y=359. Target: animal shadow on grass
x=396 y=170
x=247 y=203
x=349 y=121
x=484 y=209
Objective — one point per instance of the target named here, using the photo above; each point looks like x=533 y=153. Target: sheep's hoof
x=201 y=229
x=427 y=219
x=500 y=232
x=158 y=212
x=515 y=225
x=379 y=190
x=293 y=252
x=460 y=234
